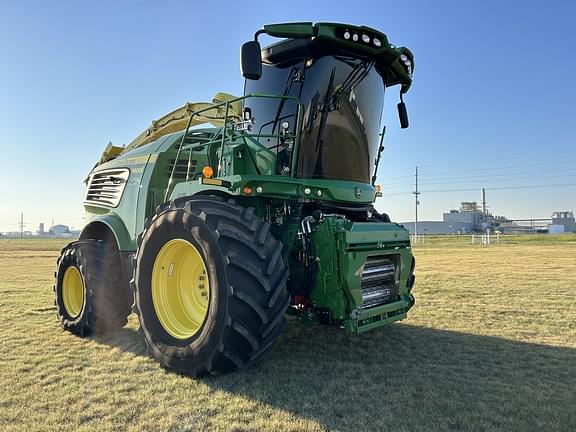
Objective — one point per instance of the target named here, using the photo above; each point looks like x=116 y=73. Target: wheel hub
x=180 y=289
x=73 y=292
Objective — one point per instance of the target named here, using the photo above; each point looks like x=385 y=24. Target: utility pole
x=21 y=225
x=416 y=203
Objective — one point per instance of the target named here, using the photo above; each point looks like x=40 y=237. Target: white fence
x=486 y=238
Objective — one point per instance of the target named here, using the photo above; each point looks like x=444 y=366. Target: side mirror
x=403 y=115
x=251 y=60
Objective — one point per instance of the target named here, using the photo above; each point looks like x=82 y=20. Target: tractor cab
x=339 y=74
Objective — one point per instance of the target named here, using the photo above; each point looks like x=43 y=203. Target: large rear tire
x=210 y=286
x=89 y=296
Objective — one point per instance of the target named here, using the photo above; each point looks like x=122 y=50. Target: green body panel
x=342 y=248
x=126 y=220
x=378 y=316
x=286 y=188
x=244 y=168
x=290 y=30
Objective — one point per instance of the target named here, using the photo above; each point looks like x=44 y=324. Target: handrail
x=224 y=132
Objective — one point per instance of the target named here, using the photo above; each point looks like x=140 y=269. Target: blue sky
x=492 y=103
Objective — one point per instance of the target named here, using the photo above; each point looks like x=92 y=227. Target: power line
x=467 y=170
x=485 y=180
x=499 y=175
x=489 y=189
x=484 y=162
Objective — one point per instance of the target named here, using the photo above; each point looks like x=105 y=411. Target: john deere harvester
x=222 y=217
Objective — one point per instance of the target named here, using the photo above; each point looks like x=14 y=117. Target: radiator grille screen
x=105 y=188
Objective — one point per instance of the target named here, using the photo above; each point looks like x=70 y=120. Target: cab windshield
x=342 y=98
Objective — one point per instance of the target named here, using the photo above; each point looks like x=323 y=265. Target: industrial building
x=469 y=219
x=472 y=218
x=565 y=219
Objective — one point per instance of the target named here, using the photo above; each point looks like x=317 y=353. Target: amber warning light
x=207 y=171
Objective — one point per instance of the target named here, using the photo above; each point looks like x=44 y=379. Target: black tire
x=104 y=304
x=247 y=278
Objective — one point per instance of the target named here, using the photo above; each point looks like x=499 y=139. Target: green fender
x=114 y=223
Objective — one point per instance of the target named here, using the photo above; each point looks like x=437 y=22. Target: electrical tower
x=416 y=204
x=21 y=224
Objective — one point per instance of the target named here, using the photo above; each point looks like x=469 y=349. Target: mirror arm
x=258 y=33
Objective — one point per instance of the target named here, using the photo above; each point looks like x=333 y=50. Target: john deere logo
x=358 y=192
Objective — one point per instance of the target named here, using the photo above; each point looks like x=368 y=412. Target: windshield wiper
x=332 y=97
x=323 y=118
x=295 y=75
x=359 y=71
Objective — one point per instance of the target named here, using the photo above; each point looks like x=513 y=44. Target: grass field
x=490 y=345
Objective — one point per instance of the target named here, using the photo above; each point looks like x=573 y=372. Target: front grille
x=379 y=284
x=105 y=188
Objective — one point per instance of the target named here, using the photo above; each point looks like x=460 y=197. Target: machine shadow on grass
x=411 y=378
x=126 y=339
x=405 y=377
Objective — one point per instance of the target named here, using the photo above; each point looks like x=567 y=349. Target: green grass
x=490 y=345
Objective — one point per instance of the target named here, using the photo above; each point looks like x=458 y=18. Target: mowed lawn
x=490 y=345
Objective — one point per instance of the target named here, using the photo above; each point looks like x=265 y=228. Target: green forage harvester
x=223 y=216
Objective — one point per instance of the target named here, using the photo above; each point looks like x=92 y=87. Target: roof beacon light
x=377 y=42
x=346 y=35
x=355 y=37
x=365 y=38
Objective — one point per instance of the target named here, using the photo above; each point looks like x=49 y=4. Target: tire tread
x=256 y=274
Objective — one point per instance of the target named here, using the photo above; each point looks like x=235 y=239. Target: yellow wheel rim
x=73 y=292
x=180 y=288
